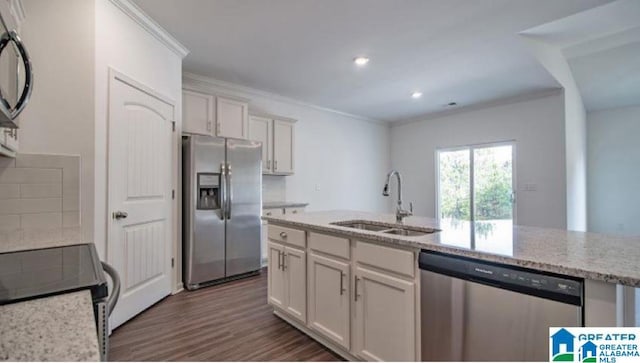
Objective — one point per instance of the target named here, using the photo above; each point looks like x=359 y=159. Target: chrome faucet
x=400 y=213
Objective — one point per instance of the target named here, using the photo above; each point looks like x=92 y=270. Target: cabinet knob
x=283 y=234
x=269 y=213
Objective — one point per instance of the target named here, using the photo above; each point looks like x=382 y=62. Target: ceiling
x=464 y=51
x=602 y=47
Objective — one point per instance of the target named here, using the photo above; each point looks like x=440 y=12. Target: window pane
x=454 y=181
x=492 y=177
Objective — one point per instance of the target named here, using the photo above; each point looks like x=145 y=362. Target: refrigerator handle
x=223 y=191
x=229 y=191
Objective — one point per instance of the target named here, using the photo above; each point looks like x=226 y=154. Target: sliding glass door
x=476 y=184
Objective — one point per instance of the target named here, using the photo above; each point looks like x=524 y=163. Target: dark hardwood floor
x=228 y=322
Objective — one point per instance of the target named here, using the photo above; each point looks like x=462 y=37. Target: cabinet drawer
x=386 y=258
x=287 y=235
x=273 y=212
x=331 y=245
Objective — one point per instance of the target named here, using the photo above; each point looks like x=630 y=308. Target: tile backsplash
x=39 y=201
x=274 y=188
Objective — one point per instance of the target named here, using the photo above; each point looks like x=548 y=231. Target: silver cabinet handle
x=279 y=260
x=209 y=125
x=355 y=289
x=223 y=191
x=268 y=164
x=275 y=165
x=283 y=234
x=115 y=292
x=342 y=289
x=229 y=192
x=284 y=261
x=120 y=215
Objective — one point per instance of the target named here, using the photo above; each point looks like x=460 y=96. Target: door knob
x=120 y=215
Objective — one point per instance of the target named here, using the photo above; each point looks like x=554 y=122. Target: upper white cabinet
x=261 y=129
x=278 y=143
x=283 y=143
x=232 y=118
x=205 y=114
x=197 y=113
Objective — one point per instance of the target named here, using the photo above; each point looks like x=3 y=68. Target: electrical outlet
x=317 y=187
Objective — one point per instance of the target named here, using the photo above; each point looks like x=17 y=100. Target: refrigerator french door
x=222 y=200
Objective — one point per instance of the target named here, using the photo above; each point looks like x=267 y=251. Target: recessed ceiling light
x=361 y=61
x=416 y=94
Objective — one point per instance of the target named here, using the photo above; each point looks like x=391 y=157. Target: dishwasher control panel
x=549 y=285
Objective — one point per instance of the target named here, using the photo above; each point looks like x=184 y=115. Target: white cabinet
x=329 y=297
x=277 y=136
x=261 y=129
x=384 y=324
x=283 y=147
x=232 y=118
x=197 y=113
x=204 y=114
x=287 y=285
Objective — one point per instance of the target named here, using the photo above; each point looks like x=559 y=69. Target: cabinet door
x=276 y=276
x=283 y=147
x=197 y=113
x=384 y=317
x=232 y=118
x=329 y=294
x=295 y=267
x=260 y=129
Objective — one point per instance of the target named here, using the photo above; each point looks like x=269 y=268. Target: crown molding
x=481 y=106
x=17 y=10
x=206 y=81
x=147 y=23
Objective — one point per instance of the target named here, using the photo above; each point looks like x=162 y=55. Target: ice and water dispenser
x=208 y=191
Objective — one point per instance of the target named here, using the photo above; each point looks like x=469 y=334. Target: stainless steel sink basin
x=395 y=229
x=362 y=225
x=405 y=232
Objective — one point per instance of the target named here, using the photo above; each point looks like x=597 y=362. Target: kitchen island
x=374 y=271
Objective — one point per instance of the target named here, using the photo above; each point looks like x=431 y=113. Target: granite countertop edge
x=279 y=204
x=430 y=245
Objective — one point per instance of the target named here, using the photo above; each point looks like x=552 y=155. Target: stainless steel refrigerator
x=222 y=201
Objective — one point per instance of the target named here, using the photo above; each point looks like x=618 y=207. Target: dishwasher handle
x=115 y=292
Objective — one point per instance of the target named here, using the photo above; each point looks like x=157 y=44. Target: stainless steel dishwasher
x=473 y=310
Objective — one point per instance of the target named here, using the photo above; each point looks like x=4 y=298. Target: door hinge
x=173 y=262
x=173 y=126
x=173 y=194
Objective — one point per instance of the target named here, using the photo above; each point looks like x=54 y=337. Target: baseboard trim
x=315 y=336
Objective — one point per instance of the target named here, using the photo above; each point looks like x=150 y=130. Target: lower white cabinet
x=329 y=294
x=287 y=283
x=384 y=317
x=359 y=297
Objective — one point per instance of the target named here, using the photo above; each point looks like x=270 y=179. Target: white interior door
x=140 y=154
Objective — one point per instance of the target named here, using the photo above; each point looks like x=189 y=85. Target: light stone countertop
x=282 y=204
x=594 y=256
x=56 y=328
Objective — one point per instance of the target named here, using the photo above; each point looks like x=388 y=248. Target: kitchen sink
x=406 y=232
x=388 y=228
x=362 y=225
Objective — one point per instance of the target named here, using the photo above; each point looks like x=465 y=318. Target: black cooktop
x=31 y=274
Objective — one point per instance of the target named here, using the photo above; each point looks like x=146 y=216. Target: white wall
x=614 y=157
x=552 y=58
x=536 y=125
x=59 y=35
x=120 y=43
x=346 y=157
